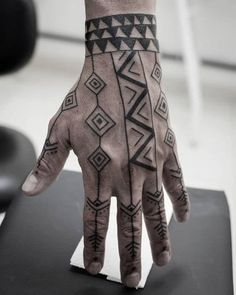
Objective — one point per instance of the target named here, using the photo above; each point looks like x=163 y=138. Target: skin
x=116 y=120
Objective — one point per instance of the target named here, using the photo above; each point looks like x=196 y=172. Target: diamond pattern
x=95 y=83
x=170 y=138
x=162 y=106
x=99 y=121
x=69 y=102
x=99 y=159
x=156 y=73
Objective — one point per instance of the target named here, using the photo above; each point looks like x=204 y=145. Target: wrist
x=100 y=8
x=120 y=31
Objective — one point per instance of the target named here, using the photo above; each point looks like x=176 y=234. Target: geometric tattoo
x=69 y=102
x=100 y=123
x=121 y=32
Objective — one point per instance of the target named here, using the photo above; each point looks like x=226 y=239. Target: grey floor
x=31 y=96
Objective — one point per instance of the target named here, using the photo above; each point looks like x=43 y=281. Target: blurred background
x=198 y=61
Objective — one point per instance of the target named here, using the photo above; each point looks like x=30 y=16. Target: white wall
x=213 y=21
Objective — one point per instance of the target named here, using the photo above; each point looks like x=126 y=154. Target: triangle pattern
x=141 y=113
x=142 y=30
x=110 y=47
x=120 y=33
x=102 y=25
x=106 y=34
x=112 y=31
x=146 y=21
x=149 y=33
x=120 y=18
x=89 y=45
x=102 y=44
x=96 y=49
x=124 y=46
x=137 y=45
x=107 y=20
x=136 y=21
x=140 y=18
x=115 y=22
x=96 y=22
x=127 y=22
x=127 y=30
x=93 y=37
x=145 y=43
x=92 y=27
x=130 y=18
x=130 y=43
x=145 y=156
x=135 y=34
x=151 y=46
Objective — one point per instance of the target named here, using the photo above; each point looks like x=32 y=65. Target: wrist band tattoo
x=121 y=32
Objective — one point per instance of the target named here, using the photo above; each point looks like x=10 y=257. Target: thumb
x=51 y=161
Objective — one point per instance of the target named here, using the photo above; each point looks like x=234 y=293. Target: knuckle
x=100 y=222
x=129 y=230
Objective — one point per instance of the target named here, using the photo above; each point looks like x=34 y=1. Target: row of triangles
x=137 y=31
x=120 y=20
x=106 y=45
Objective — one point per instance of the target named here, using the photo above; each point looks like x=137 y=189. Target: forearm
x=100 y=8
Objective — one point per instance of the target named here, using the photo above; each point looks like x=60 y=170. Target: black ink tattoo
x=121 y=32
x=100 y=123
x=161 y=109
x=141 y=142
x=129 y=213
x=97 y=208
x=68 y=103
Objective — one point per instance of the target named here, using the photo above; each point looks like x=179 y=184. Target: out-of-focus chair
x=17 y=33
x=17 y=43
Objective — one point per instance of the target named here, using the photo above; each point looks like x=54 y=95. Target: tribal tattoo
x=116 y=120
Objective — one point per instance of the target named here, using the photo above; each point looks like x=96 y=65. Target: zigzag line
x=133 y=109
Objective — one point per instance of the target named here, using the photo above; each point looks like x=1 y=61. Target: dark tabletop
x=40 y=234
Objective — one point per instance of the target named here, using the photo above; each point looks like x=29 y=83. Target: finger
x=52 y=158
x=96 y=220
x=129 y=222
x=155 y=220
x=175 y=187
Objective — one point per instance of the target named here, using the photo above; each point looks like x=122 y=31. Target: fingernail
x=30 y=183
x=184 y=217
x=163 y=258
x=132 y=280
x=94 y=268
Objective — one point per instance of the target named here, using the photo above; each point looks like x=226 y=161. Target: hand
x=116 y=120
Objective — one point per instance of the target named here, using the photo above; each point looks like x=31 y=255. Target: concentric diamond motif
x=99 y=121
x=99 y=159
x=95 y=83
x=162 y=107
x=156 y=73
x=170 y=138
x=69 y=102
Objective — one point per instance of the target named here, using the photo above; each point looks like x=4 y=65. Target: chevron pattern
x=121 y=32
x=68 y=103
x=97 y=207
x=131 y=211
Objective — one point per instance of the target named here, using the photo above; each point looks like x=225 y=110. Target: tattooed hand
x=116 y=120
